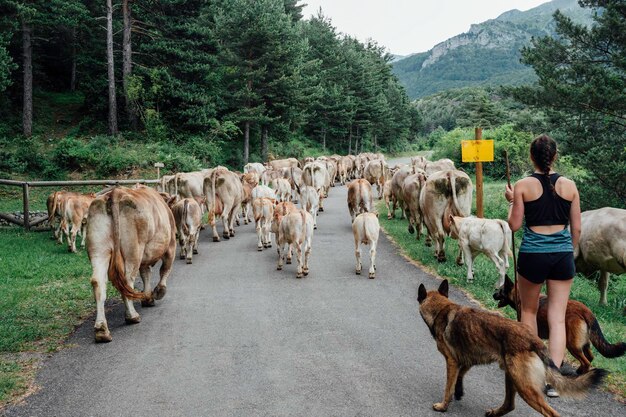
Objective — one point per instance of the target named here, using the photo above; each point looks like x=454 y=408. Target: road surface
x=235 y=337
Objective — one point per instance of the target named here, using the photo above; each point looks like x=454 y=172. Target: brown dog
x=581 y=327
x=466 y=337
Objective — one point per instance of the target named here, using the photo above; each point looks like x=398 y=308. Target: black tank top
x=550 y=208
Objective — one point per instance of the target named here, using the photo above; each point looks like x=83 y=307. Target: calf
x=249 y=181
x=412 y=188
x=310 y=201
x=188 y=217
x=365 y=229
x=54 y=204
x=489 y=236
x=280 y=211
x=360 y=198
x=263 y=209
x=388 y=196
x=282 y=188
x=376 y=172
x=74 y=214
x=296 y=229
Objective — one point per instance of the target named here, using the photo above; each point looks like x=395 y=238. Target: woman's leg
x=558 y=296
x=529 y=300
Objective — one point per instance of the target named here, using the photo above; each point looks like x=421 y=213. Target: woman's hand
x=508 y=193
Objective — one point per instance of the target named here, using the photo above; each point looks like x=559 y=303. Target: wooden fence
x=26 y=185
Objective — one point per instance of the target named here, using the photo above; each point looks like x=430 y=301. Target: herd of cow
x=129 y=230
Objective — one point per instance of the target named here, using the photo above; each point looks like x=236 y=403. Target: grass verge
x=610 y=317
x=44 y=294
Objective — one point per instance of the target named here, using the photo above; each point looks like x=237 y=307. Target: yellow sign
x=477 y=150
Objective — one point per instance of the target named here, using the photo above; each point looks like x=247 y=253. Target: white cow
x=365 y=229
x=282 y=188
x=310 y=201
x=257 y=167
x=491 y=237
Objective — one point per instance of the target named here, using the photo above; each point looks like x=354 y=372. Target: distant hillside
x=487 y=55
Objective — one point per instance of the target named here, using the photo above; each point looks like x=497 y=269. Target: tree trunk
x=324 y=139
x=111 y=72
x=356 y=142
x=73 y=74
x=264 y=143
x=27 y=50
x=246 y=142
x=127 y=63
x=350 y=141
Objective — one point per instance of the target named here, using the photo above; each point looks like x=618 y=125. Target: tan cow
x=419 y=162
x=54 y=203
x=263 y=209
x=376 y=172
x=412 y=188
x=167 y=184
x=269 y=175
x=295 y=230
x=343 y=167
x=315 y=175
x=331 y=168
x=75 y=211
x=280 y=211
x=226 y=186
x=261 y=191
x=491 y=237
x=294 y=176
x=397 y=189
x=360 y=198
x=277 y=164
x=249 y=181
x=129 y=231
x=188 y=217
x=310 y=201
x=256 y=167
x=444 y=193
x=602 y=245
x=365 y=229
x=440 y=165
x=190 y=184
x=282 y=188
x=387 y=196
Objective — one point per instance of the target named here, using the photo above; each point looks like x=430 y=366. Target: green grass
x=610 y=317
x=44 y=294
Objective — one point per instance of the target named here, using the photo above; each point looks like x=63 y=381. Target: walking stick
x=517 y=300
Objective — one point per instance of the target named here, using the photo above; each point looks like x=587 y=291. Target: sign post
x=478 y=151
x=158 y=166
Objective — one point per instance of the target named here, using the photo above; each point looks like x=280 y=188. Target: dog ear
x=443 y=288
x=421 y=293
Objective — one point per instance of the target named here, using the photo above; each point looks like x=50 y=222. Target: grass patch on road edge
x=44 y=294
x=610 y=317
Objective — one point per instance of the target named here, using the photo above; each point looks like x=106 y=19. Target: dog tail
x=571 y=386
x=605 y=348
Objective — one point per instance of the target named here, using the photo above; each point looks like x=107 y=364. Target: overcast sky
x=409 y=26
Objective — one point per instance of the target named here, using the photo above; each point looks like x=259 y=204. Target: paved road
x=235 y=337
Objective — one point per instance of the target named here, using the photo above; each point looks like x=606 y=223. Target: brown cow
x=444 y=193
x=376 y=172
x=53 y=203
x=129 y=231
x=74 y=214
x=248 y=182
x=295 y=230
x=397 y=189
x=360 y=198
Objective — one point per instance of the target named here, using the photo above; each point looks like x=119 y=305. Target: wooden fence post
x=480 y=213
x=26 y=206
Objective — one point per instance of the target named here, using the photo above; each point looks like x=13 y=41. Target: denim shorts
x=538 y=267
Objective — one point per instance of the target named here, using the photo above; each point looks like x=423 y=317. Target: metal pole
x=26 y=206
x=479 y=179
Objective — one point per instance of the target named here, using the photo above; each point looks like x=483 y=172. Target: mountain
x=487 y=55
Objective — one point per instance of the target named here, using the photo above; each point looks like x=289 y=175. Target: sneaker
x=551 y=392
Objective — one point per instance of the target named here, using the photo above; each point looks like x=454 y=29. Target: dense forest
x=112 y=86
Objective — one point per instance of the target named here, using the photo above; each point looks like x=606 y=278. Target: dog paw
x=458 y=395
x=440 y=407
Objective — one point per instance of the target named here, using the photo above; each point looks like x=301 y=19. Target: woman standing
x=547 y=203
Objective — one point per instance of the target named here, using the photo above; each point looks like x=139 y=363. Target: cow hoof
x=411 y=229
x=195 y=251
x=358 y=272
x=459 y=262
x=237 y=222
x=279 y=268
x=372 y=275
x=133 y=320
x=299 y=275
x=181 y=257
x=189 y=261
x=232 y=233
x=159 y=292
x=259 y=248
x=305 y=272
x=216 y=239
x=321 y=209
x=226 y=236
x=148 y=303
x=269 y=245
x=441 y=259
x=102 y=334
x=315 y=227
x=288 y=261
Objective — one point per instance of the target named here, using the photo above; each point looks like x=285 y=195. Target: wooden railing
x=26 y=185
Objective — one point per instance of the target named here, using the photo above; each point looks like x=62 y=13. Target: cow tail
x=176 y=184
x=213 y=191
x=184 y=216
x=295 y=183
x=117 y=270
x=53 y=211
x=361 y=203
x=382 y=171
x=457 y=207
